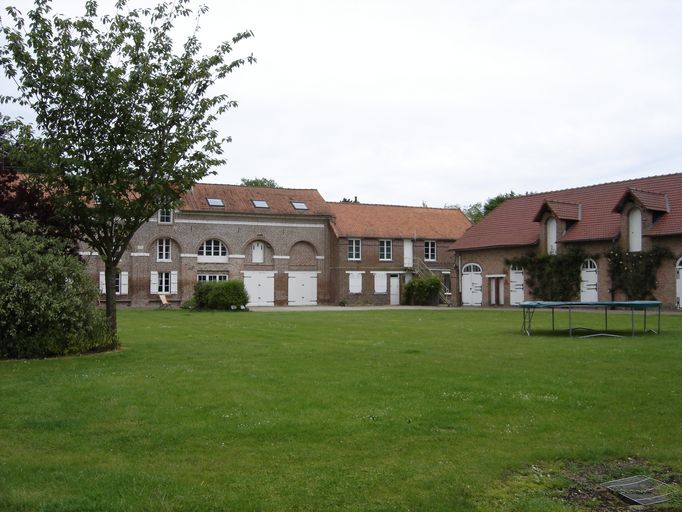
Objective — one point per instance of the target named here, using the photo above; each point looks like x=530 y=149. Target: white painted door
x=302 y=288
x=588 y=281
x=260 y=285
x=516 y=284
x=408 y=258
x=472 y=285
x=678 y=285
x=395 y=290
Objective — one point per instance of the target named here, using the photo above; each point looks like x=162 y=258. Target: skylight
x=212 y=201
x=299 y=205
x=260 y=203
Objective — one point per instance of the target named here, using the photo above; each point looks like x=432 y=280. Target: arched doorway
x=472 y=285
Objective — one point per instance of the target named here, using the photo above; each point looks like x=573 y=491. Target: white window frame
x=386 y=250
x=551 y=233
x=635 y=230
x=299 y=205
x=163 y=249
x=260 y=203
x=354 y=249
x=121 y=283
x=212 y=250
x=163 y=283
x=165 y=216
x=430 y=250
x=258 y=252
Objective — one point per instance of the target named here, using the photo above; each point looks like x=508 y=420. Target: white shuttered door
x=302 y=288
x=260 y=285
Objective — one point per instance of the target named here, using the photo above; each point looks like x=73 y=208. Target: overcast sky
x=448 y=102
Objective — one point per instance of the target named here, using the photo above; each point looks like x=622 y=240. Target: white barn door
x=302 y=288
x=260 y=285
x=472 y=285
x=588 y=281
x=516 y=286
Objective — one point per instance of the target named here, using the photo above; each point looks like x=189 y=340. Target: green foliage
x=48 y=303
x=227 y=295
x=634 y=273
x=552 y=277
x=124 y=119
x=260 y=182
x=496 y=201
x=422 y=291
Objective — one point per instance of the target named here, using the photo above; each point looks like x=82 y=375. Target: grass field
x=357 y=410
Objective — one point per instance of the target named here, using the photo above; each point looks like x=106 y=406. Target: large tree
x=123 y=117
x=260 y=182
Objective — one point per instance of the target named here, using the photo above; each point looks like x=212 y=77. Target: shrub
x=48 y=302
x=422 y=291
x=226 y=295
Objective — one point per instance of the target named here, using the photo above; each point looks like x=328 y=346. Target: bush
x=422 y=291
x=48 y=302
x=227 y=295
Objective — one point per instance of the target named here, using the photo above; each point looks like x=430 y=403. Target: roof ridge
x=594 y=185
x=395 y=205
x=246 y=186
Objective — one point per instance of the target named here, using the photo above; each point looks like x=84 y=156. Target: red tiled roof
x=238 y=199
x=513 y=223
x=378 y=221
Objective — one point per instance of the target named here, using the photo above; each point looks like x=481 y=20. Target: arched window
x=471 y=268
x=635 y=230
x=213 y=251
x=257 y=252
x=551 y=235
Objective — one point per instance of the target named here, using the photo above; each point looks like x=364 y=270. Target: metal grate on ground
x=641 y=489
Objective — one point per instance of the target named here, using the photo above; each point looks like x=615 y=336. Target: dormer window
x=299 y=205
x=260 y=203
x=213 y=201
x=550 y=227
x=165 y=216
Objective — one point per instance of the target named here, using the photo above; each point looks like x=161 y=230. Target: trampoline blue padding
x=530 y=306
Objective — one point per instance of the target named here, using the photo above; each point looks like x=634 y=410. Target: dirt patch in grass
x=587 y=492
x=577 y=486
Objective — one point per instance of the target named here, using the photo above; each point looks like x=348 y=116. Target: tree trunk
x=110 y=271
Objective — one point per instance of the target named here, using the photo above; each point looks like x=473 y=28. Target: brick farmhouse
x=633 y=216
x=289 y=246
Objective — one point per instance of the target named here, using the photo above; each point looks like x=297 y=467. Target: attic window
x=299 y=205
x=212 y=201
x=260 y=203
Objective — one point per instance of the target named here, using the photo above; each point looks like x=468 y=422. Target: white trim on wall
x=139 y=254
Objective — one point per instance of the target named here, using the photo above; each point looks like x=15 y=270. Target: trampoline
x=530 y=306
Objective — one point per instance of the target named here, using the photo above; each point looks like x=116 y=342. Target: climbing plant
x=552 y=277
x=634 y=273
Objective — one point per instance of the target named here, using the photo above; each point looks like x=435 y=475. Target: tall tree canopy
x=260 y=182
x=123 y=120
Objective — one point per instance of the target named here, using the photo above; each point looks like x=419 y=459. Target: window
x=212 y=247
x=299 y=205
x=430 y=250
x=380 y=282
x=354 y=249
x=446 y=282
x=163 y=249
x=163 y=282
x=257 y=252
x=165 y=216
x=211 y=277
x=121 y=283
x=212 y=201
x=355 y=282
x=385 y=250
x=260 y=203
x=551 y=235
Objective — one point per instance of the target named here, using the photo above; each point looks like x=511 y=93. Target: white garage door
x=260 y=285
x=302 y=288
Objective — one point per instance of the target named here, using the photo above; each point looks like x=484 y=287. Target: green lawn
x=354 y=410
